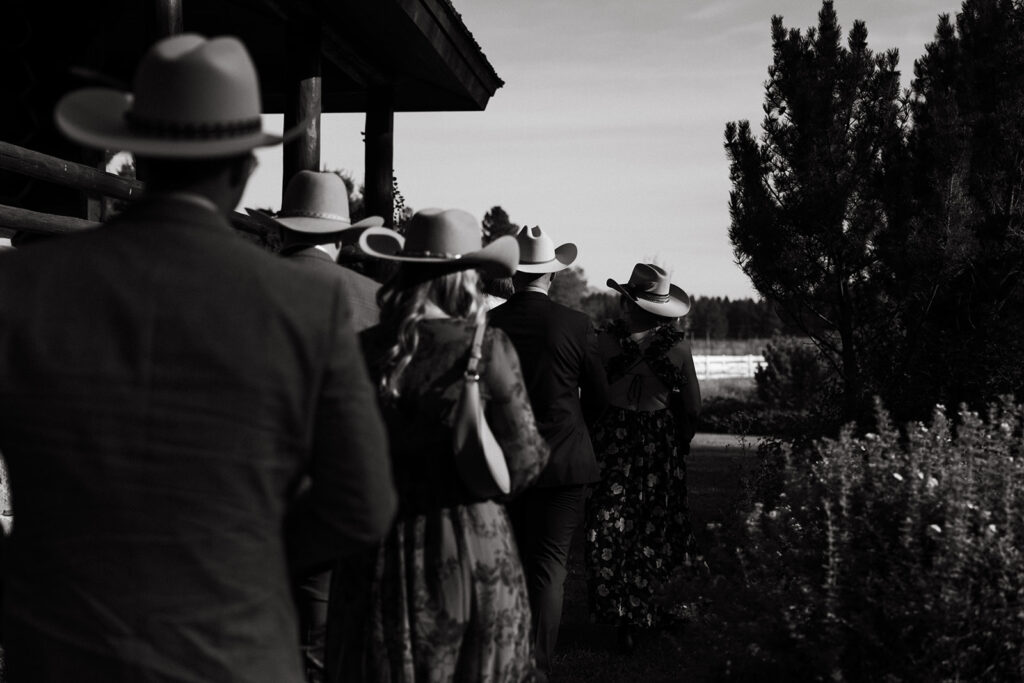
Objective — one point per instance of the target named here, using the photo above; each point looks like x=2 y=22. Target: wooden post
x=168 y=18
x=303 y=99
x=379 y=155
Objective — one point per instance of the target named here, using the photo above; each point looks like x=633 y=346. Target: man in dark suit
x=315 y=227
x=567 y=387
x=185 y=417
x=314 y=223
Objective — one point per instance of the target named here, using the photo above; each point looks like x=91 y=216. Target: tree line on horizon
x=709 y=317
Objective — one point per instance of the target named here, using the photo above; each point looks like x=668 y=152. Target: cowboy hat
x=650 y=289
x=193 y=98
x=538 y=253
x=449 y=237
x=317 y=203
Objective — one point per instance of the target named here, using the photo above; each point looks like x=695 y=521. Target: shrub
x=893 y=556
x=728 y=415
x=794 y=375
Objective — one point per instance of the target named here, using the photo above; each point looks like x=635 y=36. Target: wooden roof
x=419 y=51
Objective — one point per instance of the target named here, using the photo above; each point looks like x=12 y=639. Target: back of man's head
x=222 y=180
x=521 y=280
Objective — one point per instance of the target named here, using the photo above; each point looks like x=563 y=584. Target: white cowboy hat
x=193 y=98
x=650 y=289
x=538 y=253
x=449 y=237
x=317 y=203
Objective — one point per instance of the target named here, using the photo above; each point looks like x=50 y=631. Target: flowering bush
x=892 y=556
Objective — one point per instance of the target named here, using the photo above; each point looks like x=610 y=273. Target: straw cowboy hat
x=317 y=203
x=538 y=253
x=193 y=98
x=650 y=289
x=448 y=238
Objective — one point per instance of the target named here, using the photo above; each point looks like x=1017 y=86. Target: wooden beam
x=168 y=18
x=304 y=101
x=24 y=220
x=67 y=173
x=16 y=219
x=379 y=155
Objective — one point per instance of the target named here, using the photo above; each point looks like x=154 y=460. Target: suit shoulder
x=578 y=319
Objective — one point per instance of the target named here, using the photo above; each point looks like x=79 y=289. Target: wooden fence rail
x=724 y=367
x=67 y=173
x=87 y=179
x=13 y=219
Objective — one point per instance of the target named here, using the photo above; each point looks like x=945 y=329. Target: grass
x=739 y=388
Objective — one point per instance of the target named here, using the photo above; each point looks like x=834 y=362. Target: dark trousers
x=544 y=521
x=311 y=600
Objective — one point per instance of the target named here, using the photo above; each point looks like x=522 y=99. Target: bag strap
x=476 y=350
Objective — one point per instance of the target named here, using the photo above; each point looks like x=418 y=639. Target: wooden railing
x=87 y=179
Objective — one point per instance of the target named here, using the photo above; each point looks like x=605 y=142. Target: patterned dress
x=638 y=526
x=444 y=597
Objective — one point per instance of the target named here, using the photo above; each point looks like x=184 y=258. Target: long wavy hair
x=403 y=303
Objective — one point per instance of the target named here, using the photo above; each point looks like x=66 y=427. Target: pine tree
x=963 y=271
x=810 y=198
x=496 y=223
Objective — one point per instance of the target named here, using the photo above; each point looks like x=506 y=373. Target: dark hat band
x=647 y=296
x=313 y=214
x=177 y=130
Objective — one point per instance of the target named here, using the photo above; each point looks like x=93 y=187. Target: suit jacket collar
x=312 y=253
x=527 y=295
x=173 y=210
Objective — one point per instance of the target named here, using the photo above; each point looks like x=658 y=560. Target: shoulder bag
x=478 y=456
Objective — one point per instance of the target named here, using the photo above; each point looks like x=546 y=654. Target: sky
x=609 y=129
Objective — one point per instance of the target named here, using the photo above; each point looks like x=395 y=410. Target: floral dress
x=638 y=526
x=444 y=597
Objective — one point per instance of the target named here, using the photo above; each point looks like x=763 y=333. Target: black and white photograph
x=511 y=341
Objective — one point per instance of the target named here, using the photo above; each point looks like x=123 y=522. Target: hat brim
x=497 y=259
x=677 y=306
x=322 y=226
x=565 y=256
x=95 y=117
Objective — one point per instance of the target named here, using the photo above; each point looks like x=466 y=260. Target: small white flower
x=932 y=482
x=990 y=529
x=935 y=527
x=897 y=476
x=870 y=436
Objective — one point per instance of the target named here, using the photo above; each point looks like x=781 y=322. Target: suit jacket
x=557 y=348
x=164 y=387
x=360 y=291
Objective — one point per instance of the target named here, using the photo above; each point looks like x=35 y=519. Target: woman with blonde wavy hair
x=444 y=598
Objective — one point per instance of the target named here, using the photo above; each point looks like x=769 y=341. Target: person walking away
x=315 y=225
x=313 y=222
x=165 y=387
x=447 y=597
x=557 y=347
x=639 y=536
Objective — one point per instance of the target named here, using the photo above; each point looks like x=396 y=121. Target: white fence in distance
x=726 y=367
